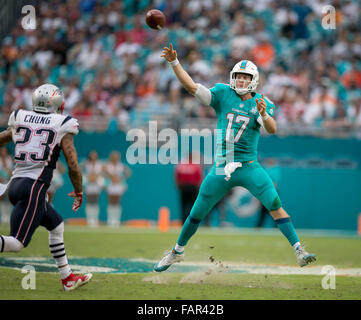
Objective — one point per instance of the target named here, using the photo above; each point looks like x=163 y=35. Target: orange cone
x=359 y=225
x=163 y=219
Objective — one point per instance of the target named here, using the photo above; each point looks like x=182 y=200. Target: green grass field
x=209 y=270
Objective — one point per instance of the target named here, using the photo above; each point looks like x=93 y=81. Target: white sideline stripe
x=222 y=266
x=40 y=261
x=75 y=268
x=263 y=269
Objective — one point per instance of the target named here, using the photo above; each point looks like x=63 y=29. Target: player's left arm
x=75 y=173
x=6 y=136
x=268 y=122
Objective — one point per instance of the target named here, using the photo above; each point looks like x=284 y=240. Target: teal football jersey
x=238 y=130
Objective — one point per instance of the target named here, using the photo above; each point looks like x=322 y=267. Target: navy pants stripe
x=30 y=209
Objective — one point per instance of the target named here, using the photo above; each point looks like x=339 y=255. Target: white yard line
x=233 y=267
x=183 y=267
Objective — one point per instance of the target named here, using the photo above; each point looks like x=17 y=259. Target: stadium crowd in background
x=107 y=61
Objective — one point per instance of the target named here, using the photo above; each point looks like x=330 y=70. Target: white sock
x=179 y=248
x=64 y=271
x=10 y=244
x=57 y=249
x=296 y=245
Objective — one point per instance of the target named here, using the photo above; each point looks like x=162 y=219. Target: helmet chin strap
x=242 y=93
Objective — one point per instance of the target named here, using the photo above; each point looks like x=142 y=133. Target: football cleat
x=74 y=281
x=170 y=258
x=303 y=257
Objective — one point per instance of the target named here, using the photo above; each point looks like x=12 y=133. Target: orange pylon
x=163 y=219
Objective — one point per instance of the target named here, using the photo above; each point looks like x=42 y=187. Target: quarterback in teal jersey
x=241 y=112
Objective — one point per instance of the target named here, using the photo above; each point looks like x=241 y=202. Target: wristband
x=174 y=62
x=265 y=117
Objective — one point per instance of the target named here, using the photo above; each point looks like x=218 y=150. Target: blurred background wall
x=319 y=183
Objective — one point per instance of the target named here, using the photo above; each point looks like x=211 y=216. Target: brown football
x=155 y=19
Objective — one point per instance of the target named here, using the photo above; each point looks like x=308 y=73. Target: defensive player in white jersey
x=39 y=136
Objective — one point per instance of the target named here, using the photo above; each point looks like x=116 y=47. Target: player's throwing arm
x=184 y=78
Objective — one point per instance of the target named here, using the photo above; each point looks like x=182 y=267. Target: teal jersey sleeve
x=217 y=93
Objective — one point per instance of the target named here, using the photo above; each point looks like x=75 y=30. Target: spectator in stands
x=9 y=52
x=352 y=78
x=263 y=53
x=106 y=47
x=128 y=47
x=302 y=11
x=89 y=55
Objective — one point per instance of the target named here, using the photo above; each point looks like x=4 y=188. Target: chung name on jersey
x=37 y=119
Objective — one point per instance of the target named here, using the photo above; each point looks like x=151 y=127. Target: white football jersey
x=37 y=138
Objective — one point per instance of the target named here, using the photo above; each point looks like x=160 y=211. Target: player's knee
x=11 y=244
x=194 y=220
x=58 y=229
x=57 y=233
x=201 y=207
x=276 y=204
x=196 y=215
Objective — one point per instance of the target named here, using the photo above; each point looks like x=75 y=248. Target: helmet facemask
x=246 y=84
x=244 y=67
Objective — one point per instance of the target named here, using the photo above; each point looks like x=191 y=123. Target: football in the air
x=155 y=19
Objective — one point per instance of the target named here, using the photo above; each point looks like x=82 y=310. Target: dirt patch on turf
x=265 y=284
x=217 y=274
x=194 y=278
x=158 y=279
x=216 y=268
x=226 y=279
